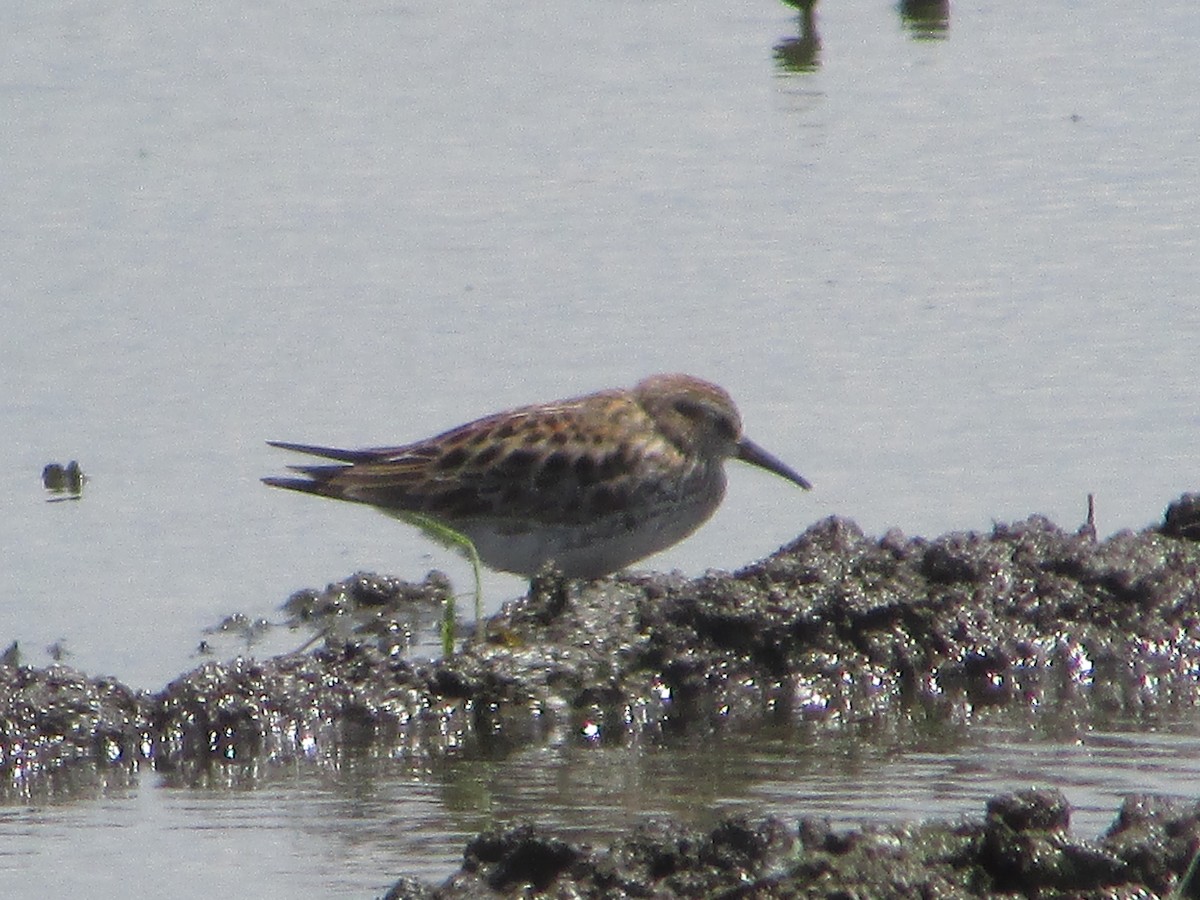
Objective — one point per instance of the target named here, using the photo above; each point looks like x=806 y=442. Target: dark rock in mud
x=1022 y=848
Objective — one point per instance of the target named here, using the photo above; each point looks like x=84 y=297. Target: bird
x=590 y=484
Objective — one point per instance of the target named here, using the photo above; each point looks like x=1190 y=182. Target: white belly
x=595 y=549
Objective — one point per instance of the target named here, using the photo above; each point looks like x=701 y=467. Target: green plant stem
x=447 y=536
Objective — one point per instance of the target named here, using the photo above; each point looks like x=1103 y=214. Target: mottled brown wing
x=566 y=462
x=563 y=463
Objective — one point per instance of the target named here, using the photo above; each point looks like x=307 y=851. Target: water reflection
x=365 y=816
x=926 y=20
x=926 y=768
x=803 y=52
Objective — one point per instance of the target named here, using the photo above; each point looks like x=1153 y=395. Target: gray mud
x=1019 y=849
x=832 y=629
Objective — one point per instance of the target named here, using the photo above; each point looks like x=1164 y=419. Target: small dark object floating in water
x=68 y=479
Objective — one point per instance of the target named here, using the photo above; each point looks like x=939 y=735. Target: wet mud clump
x=834 y=628
x=1020 y=848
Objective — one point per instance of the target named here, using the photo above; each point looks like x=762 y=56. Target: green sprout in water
x=448 y=537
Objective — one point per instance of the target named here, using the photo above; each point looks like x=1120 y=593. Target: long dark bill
x=750 y=452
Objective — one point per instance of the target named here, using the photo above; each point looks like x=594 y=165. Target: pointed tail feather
x=362 y=476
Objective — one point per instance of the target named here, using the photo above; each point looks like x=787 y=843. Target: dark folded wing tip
x=349 y=456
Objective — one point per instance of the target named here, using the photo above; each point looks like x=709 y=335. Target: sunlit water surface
x=949 y=275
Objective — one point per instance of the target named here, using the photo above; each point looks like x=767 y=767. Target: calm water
x=951 y=280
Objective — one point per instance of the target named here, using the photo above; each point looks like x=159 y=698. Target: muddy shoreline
x=834 y=628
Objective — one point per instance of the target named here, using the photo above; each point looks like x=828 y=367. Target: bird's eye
x=726 y=428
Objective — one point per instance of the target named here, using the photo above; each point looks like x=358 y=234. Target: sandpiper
x=591 y=484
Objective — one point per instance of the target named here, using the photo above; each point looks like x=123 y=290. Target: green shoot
x=448 y=537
